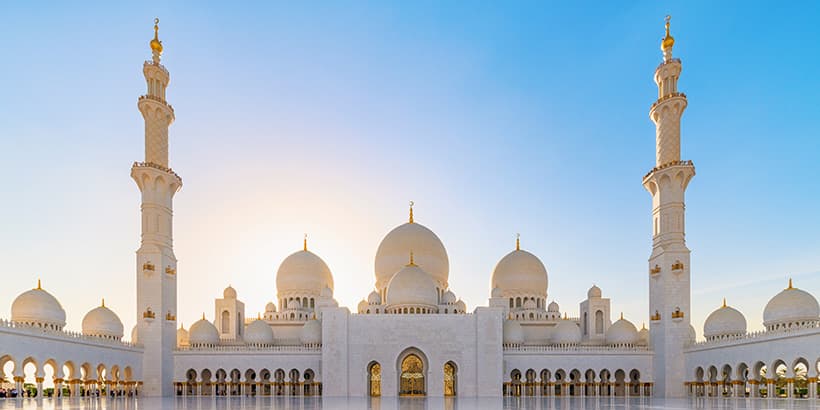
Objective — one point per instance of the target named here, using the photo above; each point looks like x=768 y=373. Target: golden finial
x=790 y=284
x=668 y=40
x=412 y=263
x=411 y=211
x=304 y=243
x=156 y=45
x=180 y=325
x=203 y=315
x=258 y=316
x=518 y=241
x=103 y=303
x=724 y=302
x=622 y=315
x=643 y=325
x=38 y=285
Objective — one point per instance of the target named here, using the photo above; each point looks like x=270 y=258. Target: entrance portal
x=412 y=376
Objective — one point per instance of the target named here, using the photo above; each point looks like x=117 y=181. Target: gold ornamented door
x=449 y=379
x=375 y=380
x=412 y=376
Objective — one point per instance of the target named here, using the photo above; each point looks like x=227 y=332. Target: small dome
x=791 y=306
x=448 y=298
x=182 y=337
x=429 y=253
x=513 y=332
x=520 y=271
x=497 y=293
x=229 y=293
x=622 y=332
x=102 y=322
x=203 y=333
x=374 y=298
x=38 y=307
x=594 y=292
x=412 y=286
x=553 y=307
x=529 y=304
x=135 y=339
x=270 y=308
x=643 y=336
x=311 y=332
x=566 y=332
x=258 y=332
x=691 y=336
x=461 y=306
x=303 y=271
x=725 y=321
x=362 y=307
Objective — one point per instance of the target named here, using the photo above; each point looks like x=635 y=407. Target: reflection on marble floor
x=392 y=403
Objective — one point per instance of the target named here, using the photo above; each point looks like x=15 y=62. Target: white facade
x=410 y=334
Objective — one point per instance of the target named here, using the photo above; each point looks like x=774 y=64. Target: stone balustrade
x=575 y=349
x=11 y=326
x=760 y=335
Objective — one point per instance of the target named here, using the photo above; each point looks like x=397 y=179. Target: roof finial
x=304 y=243
x=412 y=263
x=156 y=45
x=38 y=285
x=518 y=241
x=790 y=284
x=622 y=315
x=411 y=211
x=203 y=315
x=103 y=303
x=181 y=326
x=258 y=316
x=668 y=40
x=724 y=302
x=643 y=325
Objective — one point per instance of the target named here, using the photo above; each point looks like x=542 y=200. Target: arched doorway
x=412 y=376
x=374 y=379
x=450 y=379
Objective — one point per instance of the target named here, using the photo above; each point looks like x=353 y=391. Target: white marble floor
x=430 y=403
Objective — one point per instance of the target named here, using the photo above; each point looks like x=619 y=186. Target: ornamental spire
x=412 y=263
x=102 y=304
x=304 y=243
x=724 y=302
x=411 y=211
x=518 y=241
x=790 y=284
x=40 y=288
x=156 y=45
x=668 y=40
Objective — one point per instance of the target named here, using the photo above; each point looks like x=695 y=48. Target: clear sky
x=327 y=118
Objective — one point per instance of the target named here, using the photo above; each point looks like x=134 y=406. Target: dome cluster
x=39 y=308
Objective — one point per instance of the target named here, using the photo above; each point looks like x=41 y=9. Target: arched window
x=449 y=379
x=375 y=379
x=599 y=322
x=226 y=321
x=512 y=302
x=518 y=302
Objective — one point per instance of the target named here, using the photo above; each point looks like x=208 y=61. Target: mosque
x=411 y=335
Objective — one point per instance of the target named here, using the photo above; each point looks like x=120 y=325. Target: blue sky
x=328 y=118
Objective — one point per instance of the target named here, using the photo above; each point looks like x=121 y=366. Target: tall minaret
x=669 y=281
x=156 y=263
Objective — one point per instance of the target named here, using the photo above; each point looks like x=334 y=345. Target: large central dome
x=427 y=249
x=303 y=271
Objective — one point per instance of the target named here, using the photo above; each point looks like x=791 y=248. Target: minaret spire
x=669 y=274
x=156 y=288
x=411 y=211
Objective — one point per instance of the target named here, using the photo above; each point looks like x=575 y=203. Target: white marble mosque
x=411 y=335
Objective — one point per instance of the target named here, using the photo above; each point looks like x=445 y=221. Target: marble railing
x=312 y=348
x=158 y=65
x=8 y=325
x=760 y=335
x=157 y=99
x=671 y=60
x=667 y=165
x=156 y=166
x=575 y=349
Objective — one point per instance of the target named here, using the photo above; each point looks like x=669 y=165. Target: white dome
x=103 y=322
x=303 y=271
x=39 y=307
x=513 y=332
x=725 y=321
x=497 y=293
x=229 y=293
x=448 y=298
x=202 y=333
x=429 y=253
x=374 y=298
x=643 y=336
x=182 y=337
x=412 y=286
x=521 y=272
x=529 y=304
x=553 y=307
x=270 y=308
x=594 y=292
x=622 y=332
x=258 y=332
x=362 y=306
x=311 y=332
x=461 y=306
x=566 y=332
x=791 y=305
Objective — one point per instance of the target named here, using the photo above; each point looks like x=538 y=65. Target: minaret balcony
x=687 y=163
x=667 y=97
x=154 y=98
x=149 y=315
